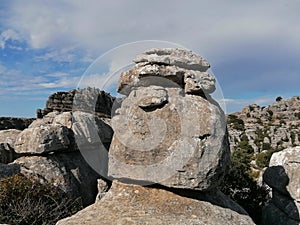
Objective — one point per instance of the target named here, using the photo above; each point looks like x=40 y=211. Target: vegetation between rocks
x=26 y=202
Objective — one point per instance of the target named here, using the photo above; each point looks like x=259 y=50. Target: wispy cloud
x=9 y=35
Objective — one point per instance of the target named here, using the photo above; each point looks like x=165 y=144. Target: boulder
x=7 y=140
x=68 y=171
x=9 y=136
x=164 y=136
x=289 y=161
x=93 y=136
x=132 y=204
x=169 y=130
x=283 y=176
x=43 y=139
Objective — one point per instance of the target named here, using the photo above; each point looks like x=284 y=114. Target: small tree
x=278 y=99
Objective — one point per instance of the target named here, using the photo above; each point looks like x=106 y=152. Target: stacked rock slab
x=168 y=129
x=283 y=176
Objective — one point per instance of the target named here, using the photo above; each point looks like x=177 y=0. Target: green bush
x=266 y=146
x=237 y=123
x=24 y=201
x=244 y=145
x=240 y=185
x=263 y=159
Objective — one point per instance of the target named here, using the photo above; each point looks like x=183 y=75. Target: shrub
x=263 y=159
x=266 y=146
x=243 y=145
x=24 y=201
x=278 y=99
x=238 y=124
x=240 y=185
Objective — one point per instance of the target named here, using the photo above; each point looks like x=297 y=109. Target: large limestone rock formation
x=283 y=176
x=168 y=129
x=131 y=204
x=48 y=151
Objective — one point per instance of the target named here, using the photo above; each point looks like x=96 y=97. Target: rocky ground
x=272 y=127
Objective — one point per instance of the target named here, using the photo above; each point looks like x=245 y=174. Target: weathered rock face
x=283 y=176
x=48 y=151
x=93 y=137
x=183 y=67
x=68 y=171
x=91 y=99
x=132 y=204
x=169 y=130
x=7 y=140
x=45 y=135
x=175 y=57
x=14 y=123
x=160 y=137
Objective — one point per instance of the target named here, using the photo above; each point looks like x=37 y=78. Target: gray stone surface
x=92 y=100
x=289 y=159
x=7 y=140
x=43 y=139
x=283 y=176
x=9 y=136
x=166 y=137
x=93 y=137
x=193 y=81
x=68 y=171
x=131 y=204
x=175 y=57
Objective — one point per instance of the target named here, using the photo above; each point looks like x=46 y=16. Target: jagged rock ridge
x=272 y=127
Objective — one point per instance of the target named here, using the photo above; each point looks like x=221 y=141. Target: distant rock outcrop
x=91 y=100
x=283 y=176
x=273 y=127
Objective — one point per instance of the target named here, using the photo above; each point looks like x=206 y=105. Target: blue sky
x=46 y=46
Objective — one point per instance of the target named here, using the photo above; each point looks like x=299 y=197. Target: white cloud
x=204 y=26
x=8 y=35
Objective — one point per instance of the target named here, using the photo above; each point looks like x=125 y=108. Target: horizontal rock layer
x=130 y=204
